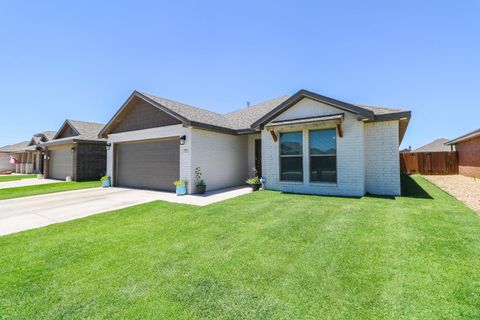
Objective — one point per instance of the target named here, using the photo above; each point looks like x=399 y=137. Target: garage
x=148 y=164
x=60 y=163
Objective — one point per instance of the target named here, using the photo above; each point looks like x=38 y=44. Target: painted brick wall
x=91 y=161
x=382 y=158
x=223 y=158
x=469 y=157
x=350 y=153
x=5 y=164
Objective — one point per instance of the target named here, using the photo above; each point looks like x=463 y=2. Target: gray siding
x=67 y=132
x=143 y=116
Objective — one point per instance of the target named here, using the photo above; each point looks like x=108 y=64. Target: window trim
x=322 y=155
x=280 y=156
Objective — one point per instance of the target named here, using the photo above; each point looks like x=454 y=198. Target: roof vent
x=248 y=104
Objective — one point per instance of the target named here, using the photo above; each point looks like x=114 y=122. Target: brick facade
x=469 y=157
x=91 y=161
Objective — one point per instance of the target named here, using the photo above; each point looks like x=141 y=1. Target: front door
x=258 y=157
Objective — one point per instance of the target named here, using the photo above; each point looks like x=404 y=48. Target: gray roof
x=192 y=113
x=243 y=118
x=437 y=145
x=467 y=136
x=248 y=118
x=86 y=131
x=17 y=147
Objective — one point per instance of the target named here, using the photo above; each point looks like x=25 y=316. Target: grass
x=265 y=255
x=17 y=177
x=17 y=192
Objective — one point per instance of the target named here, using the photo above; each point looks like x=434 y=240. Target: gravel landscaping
x=463 y=188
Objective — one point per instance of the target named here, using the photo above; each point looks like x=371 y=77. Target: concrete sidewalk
x=38 y=211
x=26 y=182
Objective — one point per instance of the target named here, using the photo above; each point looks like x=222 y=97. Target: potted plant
x=106 y=182
x=254 y=183
x=199 y=183
x=181 y=187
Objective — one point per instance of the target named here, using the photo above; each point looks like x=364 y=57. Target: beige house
x=26 y=155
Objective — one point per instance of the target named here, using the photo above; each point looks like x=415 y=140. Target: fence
x=429 y=163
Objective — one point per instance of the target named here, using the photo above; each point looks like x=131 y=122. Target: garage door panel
x=149 y=165
x=60 y=164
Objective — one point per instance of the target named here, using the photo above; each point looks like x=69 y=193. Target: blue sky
x=60 y=59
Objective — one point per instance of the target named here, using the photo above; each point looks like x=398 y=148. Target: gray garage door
x=60 y=164
x=148 y=165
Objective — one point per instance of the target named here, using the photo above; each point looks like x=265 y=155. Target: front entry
x=258 y=157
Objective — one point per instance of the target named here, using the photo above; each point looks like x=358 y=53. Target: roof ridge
x=182 y=103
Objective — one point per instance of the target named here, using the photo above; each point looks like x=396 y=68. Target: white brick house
x=305 y=143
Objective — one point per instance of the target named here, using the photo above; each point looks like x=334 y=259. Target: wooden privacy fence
x=434 y=163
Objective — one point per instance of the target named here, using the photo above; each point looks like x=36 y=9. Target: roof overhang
x=70 y=141
x=333 y=117
x=470 y=135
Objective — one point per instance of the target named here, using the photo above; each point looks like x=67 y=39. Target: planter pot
x=68 y=179
x=256 y=187
x=181 y=190
x=106 y=183
x=201 y=189
x=39 y=176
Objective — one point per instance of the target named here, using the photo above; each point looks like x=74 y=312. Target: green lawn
x=265 y=255
x=16 y=177
x=17 y=192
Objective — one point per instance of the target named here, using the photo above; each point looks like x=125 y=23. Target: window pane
x=323 y=169
x=291 y=143
x=291 y=169
x=323 y=142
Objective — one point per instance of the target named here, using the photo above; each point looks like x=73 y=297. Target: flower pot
x=181 y=190
x=106 y=183
x=201 y=189
x=256 y=187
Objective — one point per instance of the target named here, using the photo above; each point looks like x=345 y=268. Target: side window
x=291 y=156
x=323 y=155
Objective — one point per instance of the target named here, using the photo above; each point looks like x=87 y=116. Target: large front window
x=291 y=156
x=323 y=155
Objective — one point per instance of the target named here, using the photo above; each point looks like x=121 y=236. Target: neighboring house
x=26 y=154
x=437 y=145
x=76 y=151
x=468 y=149
x=305 y=143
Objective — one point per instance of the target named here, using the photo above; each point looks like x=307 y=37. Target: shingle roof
x=192 y=113
x=380 y=110
x=437 y=145
x=467 y=136
x=241 y=119
x=244 y=119
x=86 y=130
x=21 y=146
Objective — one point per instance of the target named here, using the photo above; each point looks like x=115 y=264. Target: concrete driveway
x=26 y=182
x=38 y=211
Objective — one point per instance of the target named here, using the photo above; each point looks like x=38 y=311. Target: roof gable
x=302 y=94
x=139 y=114
x=66 y=130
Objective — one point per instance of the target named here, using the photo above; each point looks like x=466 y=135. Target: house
x=304 y=143
x=437 y=145
x=468 y=150
x=76 y=152
x=26 y=155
